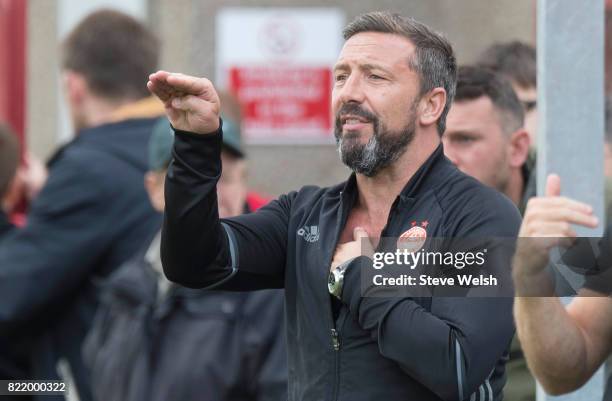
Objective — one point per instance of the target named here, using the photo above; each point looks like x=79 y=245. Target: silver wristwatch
x=335 y=281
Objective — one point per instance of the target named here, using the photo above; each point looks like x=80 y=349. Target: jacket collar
x=100 y=134
x=425 y=177
x=150 y=107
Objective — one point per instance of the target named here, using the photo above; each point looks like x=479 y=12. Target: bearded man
x=393 y=85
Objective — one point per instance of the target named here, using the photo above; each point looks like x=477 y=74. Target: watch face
x=331 y=282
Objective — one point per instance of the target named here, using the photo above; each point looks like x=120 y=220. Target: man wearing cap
x=234 y=196
x=212 y=345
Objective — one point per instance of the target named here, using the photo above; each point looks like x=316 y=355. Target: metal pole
x=571 y=121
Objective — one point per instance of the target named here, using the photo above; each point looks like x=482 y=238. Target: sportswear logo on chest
x=309 y=233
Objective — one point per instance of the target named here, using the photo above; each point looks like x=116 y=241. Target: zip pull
x=335 y=339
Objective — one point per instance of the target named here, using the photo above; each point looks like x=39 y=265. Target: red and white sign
x=278 y=62
x=284 y=103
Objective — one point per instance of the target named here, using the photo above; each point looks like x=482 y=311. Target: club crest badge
x=414 y=238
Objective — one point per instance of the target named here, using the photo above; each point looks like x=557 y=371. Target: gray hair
x=434 y=59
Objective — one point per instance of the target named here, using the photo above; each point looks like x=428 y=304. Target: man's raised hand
x=192 y=104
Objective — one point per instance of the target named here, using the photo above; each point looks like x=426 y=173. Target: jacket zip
x=335 y=335
x=337 y=341
x=335 y=331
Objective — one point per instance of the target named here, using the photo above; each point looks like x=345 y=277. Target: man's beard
x=383 y=148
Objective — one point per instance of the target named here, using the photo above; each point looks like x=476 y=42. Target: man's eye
x=462 y=139
x=340 y=78
x=529 y=105
x=376 y=77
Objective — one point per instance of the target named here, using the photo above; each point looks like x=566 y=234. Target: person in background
x=9 y=162
x=517 y=62
x=206 y=345
x=485 y=138
x=235 y=197
x=93 y=212
x=14 y=358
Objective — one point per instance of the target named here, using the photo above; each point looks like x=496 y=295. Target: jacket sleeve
x=43 y=264
x=451 y=347
x=201 y=251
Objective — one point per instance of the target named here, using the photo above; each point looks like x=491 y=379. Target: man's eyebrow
x=341 y=66
x=472 y=134
x=363 y=67
x=369 y=67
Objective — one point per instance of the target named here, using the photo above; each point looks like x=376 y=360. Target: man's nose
x=352 y=90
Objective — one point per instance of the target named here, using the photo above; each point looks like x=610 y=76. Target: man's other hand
x=360 y=245
x=191 y=103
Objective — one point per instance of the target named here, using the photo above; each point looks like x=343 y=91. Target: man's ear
x=75 y=86
x=431 y=106
x=518 y=148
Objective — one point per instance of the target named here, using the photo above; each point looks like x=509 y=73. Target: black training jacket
x=377 y=348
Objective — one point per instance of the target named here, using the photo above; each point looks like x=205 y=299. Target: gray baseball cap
x=162 y=139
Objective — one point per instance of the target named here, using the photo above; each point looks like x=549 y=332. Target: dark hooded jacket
x=92 y=215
